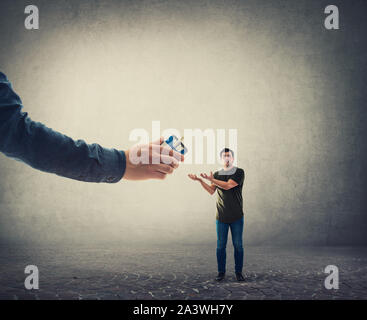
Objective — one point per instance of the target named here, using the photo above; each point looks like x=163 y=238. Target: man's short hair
x=226 y=150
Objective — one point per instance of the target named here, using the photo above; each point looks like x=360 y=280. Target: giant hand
x=151 y=161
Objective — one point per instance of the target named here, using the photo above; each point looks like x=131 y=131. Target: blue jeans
x=222 y=236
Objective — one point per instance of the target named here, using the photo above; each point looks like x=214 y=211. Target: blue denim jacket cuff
x=123 y=165
x=116 y=165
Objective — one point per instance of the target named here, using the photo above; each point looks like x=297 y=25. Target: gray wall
x=296 y=93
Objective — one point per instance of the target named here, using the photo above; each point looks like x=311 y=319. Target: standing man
x=228 y=182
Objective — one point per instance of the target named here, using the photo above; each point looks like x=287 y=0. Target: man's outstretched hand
x=210 y=188
x=194 y=177
x=209 y=177
x=151 y=161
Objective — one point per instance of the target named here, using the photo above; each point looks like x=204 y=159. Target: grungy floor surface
x=150 y=271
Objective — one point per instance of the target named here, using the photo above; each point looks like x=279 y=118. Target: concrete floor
x=150 y=271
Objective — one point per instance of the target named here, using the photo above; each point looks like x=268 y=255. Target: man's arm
x=210 y=188
x=226 y=185
x=50 y=151
x=47 y=150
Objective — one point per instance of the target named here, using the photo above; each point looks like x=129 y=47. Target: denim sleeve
x=47 y=150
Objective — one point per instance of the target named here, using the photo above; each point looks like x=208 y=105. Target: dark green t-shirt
x=229 y=202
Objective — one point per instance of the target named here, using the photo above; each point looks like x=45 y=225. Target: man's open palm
x=206 y=176
x=194 y=177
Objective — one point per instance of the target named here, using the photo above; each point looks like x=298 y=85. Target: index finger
x=169 y=151
x=158 y=141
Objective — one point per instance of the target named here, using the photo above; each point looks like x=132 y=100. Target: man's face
x=227 y=159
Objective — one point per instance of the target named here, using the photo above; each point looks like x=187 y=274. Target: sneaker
x=239 y=276
x=220 y=276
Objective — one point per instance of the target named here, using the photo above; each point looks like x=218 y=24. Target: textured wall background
x=296 y=93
